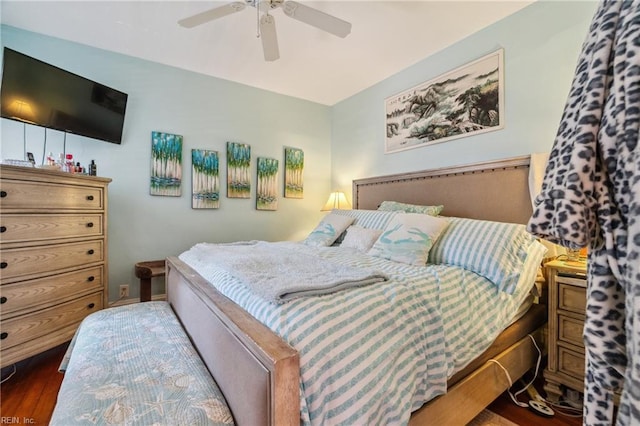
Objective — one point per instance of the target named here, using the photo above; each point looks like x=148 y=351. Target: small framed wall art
x=205 y=179
x=166 y=164
x=267 y=184
x=238 y=170
x=293 y=173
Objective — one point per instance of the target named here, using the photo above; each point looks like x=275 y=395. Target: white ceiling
x=386 y=37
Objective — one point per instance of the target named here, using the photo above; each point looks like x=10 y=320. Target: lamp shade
x=337 y=200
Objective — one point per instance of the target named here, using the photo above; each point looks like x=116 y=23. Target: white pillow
x=360 y=238
x=408 y=238
x=328 y=230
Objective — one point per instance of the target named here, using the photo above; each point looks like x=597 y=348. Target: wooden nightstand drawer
x=27 y=327
x=44 y=196
x=36 y=227
x=43 y=292
x=567 y=283
x=570 y=330
x=56 y=257
x=571 y=362
x=572 y=298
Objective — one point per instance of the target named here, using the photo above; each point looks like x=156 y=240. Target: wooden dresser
x=53 y=257
x=567 y=283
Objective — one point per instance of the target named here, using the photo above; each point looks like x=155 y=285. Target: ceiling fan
x=267 y=23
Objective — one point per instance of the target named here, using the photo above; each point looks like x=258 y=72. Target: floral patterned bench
x=135 y=365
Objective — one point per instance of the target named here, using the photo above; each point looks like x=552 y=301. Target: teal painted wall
x=541 y=46
x=208 y=112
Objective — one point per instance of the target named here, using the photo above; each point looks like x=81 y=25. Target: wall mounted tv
x=35 y=92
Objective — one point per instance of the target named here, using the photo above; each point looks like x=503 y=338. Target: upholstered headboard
x=495 y=190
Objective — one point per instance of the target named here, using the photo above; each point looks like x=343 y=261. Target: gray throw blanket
x=280 y=272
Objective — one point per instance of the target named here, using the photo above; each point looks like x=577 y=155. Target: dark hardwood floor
x=28 y=397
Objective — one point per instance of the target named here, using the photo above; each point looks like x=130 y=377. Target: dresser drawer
x=572 y=298
x=45 y=196
x=47 y=291
x=571 y=362
x=570 y=330
x=41 y=227
x=42 y=259
x=27 y=327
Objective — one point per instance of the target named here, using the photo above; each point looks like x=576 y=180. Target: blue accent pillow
x=408 y=238
x=328 y=230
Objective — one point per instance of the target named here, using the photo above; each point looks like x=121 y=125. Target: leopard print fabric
x=591 y=197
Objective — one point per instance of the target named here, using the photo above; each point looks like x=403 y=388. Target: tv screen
x=39 y=93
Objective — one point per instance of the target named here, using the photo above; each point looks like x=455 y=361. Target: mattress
x=377 y=353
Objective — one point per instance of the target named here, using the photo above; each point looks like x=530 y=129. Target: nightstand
x=567 y=284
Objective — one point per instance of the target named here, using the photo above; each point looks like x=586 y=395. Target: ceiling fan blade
x=316 y=18
x=269 y=38
x=210 y=15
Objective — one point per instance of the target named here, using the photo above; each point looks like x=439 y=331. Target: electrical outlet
x=124 y=291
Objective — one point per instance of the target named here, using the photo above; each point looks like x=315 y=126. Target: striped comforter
x=373 y=355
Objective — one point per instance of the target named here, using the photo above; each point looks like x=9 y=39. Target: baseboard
x=129 y=301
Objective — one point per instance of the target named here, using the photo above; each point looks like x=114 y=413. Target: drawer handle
x=3 y=300
x=3 y=229
x=90 y=251
x=3 y=194
x=91 y=278
x=90 y=225
x=91 y=305
x=4 y=335
x=3 y=265
x=90 y=197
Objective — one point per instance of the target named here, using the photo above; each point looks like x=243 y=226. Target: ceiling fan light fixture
x=267 y=24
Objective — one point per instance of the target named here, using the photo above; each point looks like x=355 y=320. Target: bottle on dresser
x=69 y=164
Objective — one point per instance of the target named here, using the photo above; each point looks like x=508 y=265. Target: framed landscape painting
x=463 y=102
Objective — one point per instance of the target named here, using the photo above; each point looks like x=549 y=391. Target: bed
x=260 y=373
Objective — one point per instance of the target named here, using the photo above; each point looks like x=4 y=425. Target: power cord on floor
x=566 y=410
x=540 y=405
x=10 y=375
x=513 y=396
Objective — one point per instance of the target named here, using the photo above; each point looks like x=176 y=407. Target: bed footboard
x=257 y=371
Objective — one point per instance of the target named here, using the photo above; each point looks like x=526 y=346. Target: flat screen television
x=38 y=93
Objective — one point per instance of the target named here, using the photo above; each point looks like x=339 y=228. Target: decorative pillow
x=393 y=206
x=495 y=250
x=360 y=238
x=408 y=238
x=328 y=230
x=370 y=219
